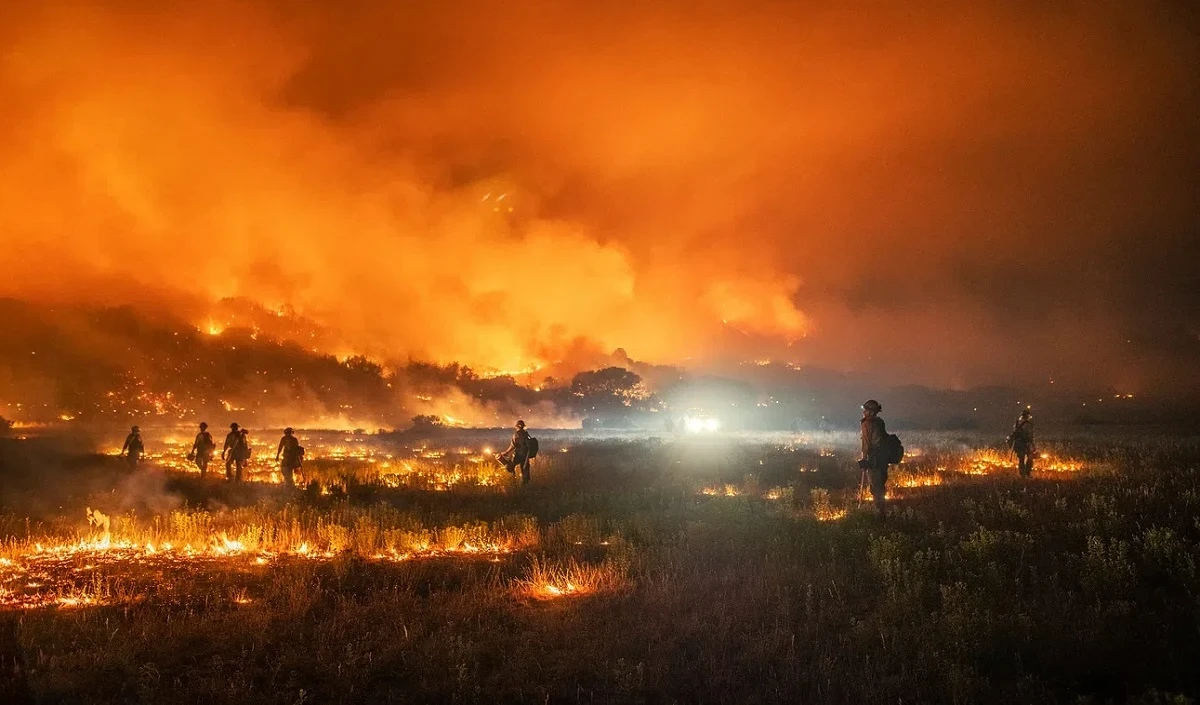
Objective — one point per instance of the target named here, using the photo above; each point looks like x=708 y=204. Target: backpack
x=532 y=445
x=893 y=449
x=294 y=453
x=1020 y=438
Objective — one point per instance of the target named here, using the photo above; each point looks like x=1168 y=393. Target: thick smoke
x=173 y=155
x=950 y=198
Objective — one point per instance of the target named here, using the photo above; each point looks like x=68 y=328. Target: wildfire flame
x=46 y=572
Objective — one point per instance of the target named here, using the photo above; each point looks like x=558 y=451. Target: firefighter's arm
x=279 y=449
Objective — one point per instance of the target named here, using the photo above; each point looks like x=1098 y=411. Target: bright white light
x=701 y=425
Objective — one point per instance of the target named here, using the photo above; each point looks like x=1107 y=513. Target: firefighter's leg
x=525 y=472
x=879 y=477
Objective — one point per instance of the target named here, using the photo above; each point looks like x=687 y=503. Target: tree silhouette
x=608 y=382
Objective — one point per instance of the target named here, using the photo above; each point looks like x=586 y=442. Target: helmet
x=233 y=427
x=287 y=431
x=135 y=429
x=872 y=405
x=1027 y=413
x=520 y=423
x=203 y=425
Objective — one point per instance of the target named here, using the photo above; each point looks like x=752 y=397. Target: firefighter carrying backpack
x=533 y=447
x=893 y=449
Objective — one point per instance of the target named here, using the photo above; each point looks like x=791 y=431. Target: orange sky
x=950 y=196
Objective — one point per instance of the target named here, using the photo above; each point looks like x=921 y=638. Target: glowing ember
x=568 y=588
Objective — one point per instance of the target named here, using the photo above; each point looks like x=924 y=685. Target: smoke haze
x=941 y=195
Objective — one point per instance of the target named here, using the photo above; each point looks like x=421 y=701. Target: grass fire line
x=65 y=570
x=333 y=464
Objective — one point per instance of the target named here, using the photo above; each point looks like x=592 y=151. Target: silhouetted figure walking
x=133 y=448
x=875 y=453
x=236 y=452
x=1021 y=442
x=293 y=456
x=518 y=452
x=202 y=449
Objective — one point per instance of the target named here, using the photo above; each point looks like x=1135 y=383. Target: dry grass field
x=695 y=569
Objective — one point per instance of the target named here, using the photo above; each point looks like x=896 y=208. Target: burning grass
x=337 y=461
x=630 y=579
x=44 y=569
x=721 y=490
x=549 y=580
x=989 y=461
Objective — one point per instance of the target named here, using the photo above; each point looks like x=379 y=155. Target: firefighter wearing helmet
x=518 y=452
x=289 y=455
x=202 y=449
x=874 y=461
x=133 y=448
x=236 y=452
x=1021 y=442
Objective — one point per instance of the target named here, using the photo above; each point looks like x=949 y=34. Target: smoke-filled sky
x=944 y=193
